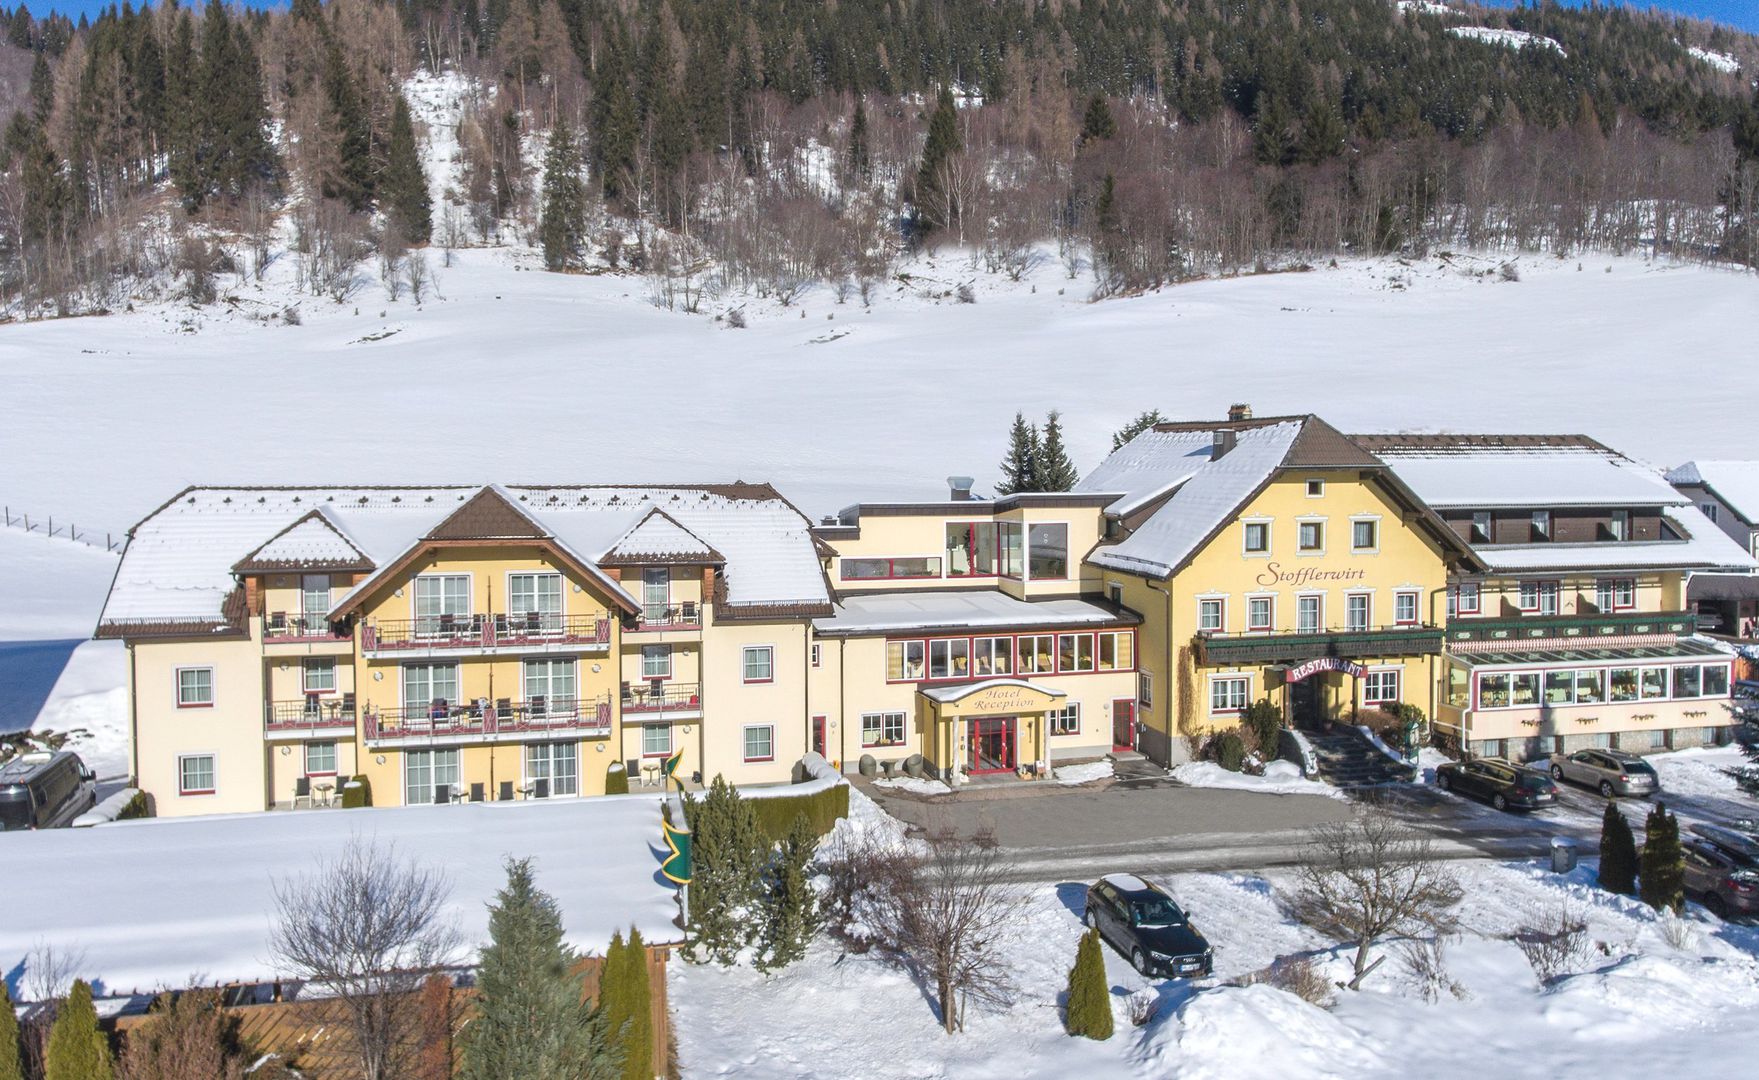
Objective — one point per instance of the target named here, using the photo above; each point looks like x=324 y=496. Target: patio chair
x=448 y=625
x=476 y=792
x=278 y=620
x=442 y=794
x=540 y=789
x=537 y=706
x=506 y=792
x=348 y=706
x=302 y=790
x=687 y=613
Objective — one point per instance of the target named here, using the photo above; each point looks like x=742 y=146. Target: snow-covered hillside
x=1513 y=39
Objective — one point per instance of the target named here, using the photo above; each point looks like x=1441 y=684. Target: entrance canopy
x=993 y=697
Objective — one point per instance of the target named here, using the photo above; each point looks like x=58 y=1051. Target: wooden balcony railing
x=502 y=718
x=483 y=632
x=1273 y=646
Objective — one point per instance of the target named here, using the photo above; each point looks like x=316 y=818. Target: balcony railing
x=1511 y=631
x=484 y=632
x=1275 y=646
x=658 y=697
x=684 y=616
x=279 y=626
x=486 y=721
x=314 y=713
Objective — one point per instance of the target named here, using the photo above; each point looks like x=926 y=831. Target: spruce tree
x=943 y=142
x=77 y=1049
x=1097 y=122
x=42 y=89
x=1142 y=423
x=532 y=1016
x=860 y=157
x=1055 y=471
x=727 y=856
x=1020 y=465
x=1662 y=881
x=1271 y=141
x=563 y=225
x=1322 y=133
x=405 y=186
x=627 y=1001
x=351 y=178
x=790 y=903
x=1089 y=1008
x=1618 y=853
x=11 y=1062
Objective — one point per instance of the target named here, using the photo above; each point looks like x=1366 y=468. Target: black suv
x=1501 y=783
x=1144 y=924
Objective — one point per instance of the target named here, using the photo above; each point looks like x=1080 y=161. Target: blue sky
x=1741 y=13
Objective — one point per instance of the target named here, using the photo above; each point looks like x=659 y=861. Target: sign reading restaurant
x=1323 y=663
x=1274 y=574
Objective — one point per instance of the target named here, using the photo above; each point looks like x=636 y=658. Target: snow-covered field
x=1636 y=1005
x=49 y=587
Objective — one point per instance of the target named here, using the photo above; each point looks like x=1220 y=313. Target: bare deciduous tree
x=1370 y=877
x=367 y=927
x=49 y=972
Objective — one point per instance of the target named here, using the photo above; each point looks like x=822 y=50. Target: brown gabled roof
x=254 y=564
x=1319 y=445
x=488 y=515
x=1386 y=443
x=231 y=624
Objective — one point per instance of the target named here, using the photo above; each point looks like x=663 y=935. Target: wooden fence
x=45 y=526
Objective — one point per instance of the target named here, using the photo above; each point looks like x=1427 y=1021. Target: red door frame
x=818 y=736
x=1010 y=731
x=1129 y=714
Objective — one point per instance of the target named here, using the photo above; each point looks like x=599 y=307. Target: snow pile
x=1513 y=39
x=914 y=786
x=1721 y=61
x=1280 y=778
x=1425 y=7
x=89 y=704
x=1699 y=773
x=1085 y=773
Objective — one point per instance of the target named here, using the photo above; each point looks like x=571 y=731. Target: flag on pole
x=676 y=866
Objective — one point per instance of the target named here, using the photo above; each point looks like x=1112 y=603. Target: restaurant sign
x=1323 y=663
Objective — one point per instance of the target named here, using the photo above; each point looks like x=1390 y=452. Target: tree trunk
x=946 y=995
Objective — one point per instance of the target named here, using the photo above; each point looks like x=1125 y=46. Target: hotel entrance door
x=1306 y=703
x=989 y=743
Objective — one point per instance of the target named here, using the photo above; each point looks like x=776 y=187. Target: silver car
x=1611 y=772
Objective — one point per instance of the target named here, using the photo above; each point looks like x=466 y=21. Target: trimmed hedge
x=616 y=780
x=362 y=795
x=137 y=807
x=821 y=809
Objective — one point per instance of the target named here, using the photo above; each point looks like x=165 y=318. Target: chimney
x=960 y=487
x=1239 y=411
x=1223 y=442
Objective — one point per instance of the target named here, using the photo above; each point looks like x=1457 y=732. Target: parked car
x=1611 y=772
x=1722 y=870
x=45 y=790
x=1147 y=927
x=1499 y=782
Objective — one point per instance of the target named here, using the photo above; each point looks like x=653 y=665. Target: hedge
x=357 y=792
x=137 y=807
x=776 y=814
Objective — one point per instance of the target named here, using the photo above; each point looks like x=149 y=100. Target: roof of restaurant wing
x=924 y=610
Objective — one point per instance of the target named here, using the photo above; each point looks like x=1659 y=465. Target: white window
x=656 y=661
x=549 y=685
x=656 y=740
x=556 y=762
x=425 y=772
x=319 y=675
x=1144 y=690
x=320 y=759
x=1309 y=617
x=992 y=656
x=1541 y=525
x=536 y=594
x=1257 y=541
x=1117 y=651
x=438 y=595
x=818 y=657
x=1615 y=594
x=195 y=687
x=1066 y=720
x=427 y=685
x=1229 y=694
x=949 y=658
x=1463 y=598
x=656 y=593
x=1481 y=526
x=1379 y=687
x=1312 y=537
x=1074 y=652
x=195 y=774
x=1037 y=654
x=1047 y=551
x=1315 y=488
x=314 y=601
x=904 y=660
x=1538 y=596
x=882 y=729
x=1259 y=613
x=1620 y=525
x=760 y=743
x=759 y=663
x=1709 y=510
x=1357 y=611
x=1405 y=608
x=1364 y=535
x=1210 y=615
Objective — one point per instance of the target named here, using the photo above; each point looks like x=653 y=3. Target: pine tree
x=405 y=187
x=182 y=117
x=627 y=1001
x=1272 y=144
x=77 y=1049
x=532 y=1016
x=11 y=1063
x=616 y=127
x=1089 y=1009
x=860 y=157
x=790 y=903
x=563 y=225
x=351 y=179
x=42 y=89
x=1020 y=466
x=1097 y=122
x=727 y=856
x=1618 y=853
x=1055 y=471
x=943 y=142
x=1322 y=133
x=1662 y=881
x=1142 y=423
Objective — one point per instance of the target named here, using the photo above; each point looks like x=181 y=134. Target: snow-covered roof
x=1706 y=548
x=178 y=568
x=145 y=938
x=1491 y=472
x=925 y=609
x=1148 y=467
x=659 y=537
x=964 y=690
x=313 y=542
x=1736 y=483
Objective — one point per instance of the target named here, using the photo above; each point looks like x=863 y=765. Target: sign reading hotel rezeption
x=1274 y=574
x=1323 y=663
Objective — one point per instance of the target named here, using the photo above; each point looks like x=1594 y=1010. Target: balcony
x=486 y=634
x=659 y=700
x=1579 y=630
x=1275 y=647
x=683 y=616
x=312 y=716
x=281 y=628
x=445 y=724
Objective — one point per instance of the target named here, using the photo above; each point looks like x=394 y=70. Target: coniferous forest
x=767 y=145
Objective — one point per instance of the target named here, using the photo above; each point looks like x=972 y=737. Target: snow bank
x=914 y=785
x=108 y=809
x=1256 y=1031
x=1721 y=61
x=1513 y=39
x=1085 y=773
x=1699 y=772
x=1280 y=778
